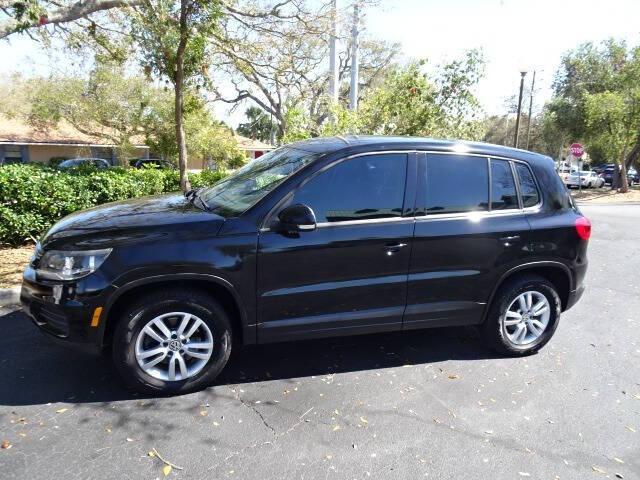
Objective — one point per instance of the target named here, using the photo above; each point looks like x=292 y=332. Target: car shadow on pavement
x=35 y=371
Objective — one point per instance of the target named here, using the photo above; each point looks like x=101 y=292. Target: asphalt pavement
x=429 y=404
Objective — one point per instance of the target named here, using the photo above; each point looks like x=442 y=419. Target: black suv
x=325 y=237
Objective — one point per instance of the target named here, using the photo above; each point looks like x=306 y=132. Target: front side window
x=528 y=189
x=503 y=188
x=361 y=188
x=456 y=184
x=245 y=187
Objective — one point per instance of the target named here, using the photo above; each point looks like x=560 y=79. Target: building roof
x=16 y=131
x=249 y=144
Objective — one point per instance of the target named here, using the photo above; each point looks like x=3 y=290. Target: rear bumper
x=574 y=296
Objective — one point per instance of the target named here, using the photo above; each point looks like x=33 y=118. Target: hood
x=131 y=218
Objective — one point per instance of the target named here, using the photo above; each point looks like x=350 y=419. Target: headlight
x=70 y=265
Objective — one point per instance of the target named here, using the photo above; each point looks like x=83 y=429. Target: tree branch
x=65 y=14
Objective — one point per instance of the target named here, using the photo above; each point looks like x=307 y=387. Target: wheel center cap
x=525 y=317
x=175 y=345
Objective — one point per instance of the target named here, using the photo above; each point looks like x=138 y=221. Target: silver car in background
x=587 y=178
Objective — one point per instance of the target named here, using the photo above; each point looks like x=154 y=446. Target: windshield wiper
x=193 y=195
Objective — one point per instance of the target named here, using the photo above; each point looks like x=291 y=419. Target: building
x=252 y=148
x=20 y=142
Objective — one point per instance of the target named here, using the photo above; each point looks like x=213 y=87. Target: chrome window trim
x=364 y=221
x=427 y=216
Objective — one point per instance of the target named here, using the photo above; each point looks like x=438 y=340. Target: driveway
x=430 y=404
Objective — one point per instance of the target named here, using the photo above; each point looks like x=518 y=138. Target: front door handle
x=510 y=240
x=394 y=247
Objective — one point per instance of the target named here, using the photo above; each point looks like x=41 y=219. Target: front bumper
x=67 y=318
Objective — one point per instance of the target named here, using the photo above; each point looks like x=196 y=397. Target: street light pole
x=517 y=134
x=334 y=86
x=533 y=84
x=353 y=93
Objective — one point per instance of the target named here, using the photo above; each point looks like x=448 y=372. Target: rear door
x=470 y=227
x=350 y=274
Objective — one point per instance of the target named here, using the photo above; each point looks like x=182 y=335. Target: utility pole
x=517 y=134
x=353 y=93
x=334 y=86
x=533 y=84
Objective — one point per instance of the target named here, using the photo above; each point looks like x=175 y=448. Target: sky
x=514 y=35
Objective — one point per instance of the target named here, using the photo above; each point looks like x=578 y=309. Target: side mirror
x=297 y=218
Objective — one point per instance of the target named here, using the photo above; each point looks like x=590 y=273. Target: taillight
x=583 y=228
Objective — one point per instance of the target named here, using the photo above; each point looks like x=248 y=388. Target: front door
x=349 y=275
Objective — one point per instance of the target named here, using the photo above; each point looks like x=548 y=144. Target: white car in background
x=564 y=172
x=587 y=178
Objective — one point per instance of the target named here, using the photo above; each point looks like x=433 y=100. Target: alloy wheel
x=526 y=318
x=174 y=346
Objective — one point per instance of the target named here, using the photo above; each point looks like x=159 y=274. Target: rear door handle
x=394 y=247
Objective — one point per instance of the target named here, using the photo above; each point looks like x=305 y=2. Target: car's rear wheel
x=172 y=342
x=523 y=315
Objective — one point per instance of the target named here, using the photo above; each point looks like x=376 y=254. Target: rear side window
x=456 y=184
x=503 y=188
x=366 y=187
x=528 y=189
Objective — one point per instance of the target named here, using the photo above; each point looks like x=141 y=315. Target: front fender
x=147 y=279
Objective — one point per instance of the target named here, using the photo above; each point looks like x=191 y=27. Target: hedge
x=34 y=197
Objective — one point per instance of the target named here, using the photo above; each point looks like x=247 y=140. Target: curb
x=603 y=204
x=9 y=296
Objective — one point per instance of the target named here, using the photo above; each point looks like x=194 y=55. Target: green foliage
x=108 y=105
x=299 y=125
x=159 y=26
x=259 y=125
x=594 y=84
x=33 y=197
x=407 y=102
x=612 y=121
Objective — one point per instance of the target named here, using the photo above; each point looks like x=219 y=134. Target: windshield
x=244 y=188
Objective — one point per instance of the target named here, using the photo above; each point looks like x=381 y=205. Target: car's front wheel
x=523 y=315
x=172 y=342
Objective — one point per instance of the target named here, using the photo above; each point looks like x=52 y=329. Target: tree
x=282 y=64
x=612 y=120
x=407 y=102
x=593 y=69
x=106 y=105
x=259 y=125
x=174 y=38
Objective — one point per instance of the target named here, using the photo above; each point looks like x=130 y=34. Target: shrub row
x=33 y=197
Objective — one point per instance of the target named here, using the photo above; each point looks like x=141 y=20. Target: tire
x=214 y=328
x=494 y=332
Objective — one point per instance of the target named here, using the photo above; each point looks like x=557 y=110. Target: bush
x=34 y=197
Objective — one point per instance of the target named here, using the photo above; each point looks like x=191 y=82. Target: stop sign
x=577 y=150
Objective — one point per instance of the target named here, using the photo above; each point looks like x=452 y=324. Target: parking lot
x=429 y=404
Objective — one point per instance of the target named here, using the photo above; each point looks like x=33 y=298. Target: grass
x=606 y=195
x=12 y=263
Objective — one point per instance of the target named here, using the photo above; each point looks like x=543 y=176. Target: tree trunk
x=178 y=85
x=624 y=181
x=634 y=154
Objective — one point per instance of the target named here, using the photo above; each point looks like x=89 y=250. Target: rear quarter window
x=528 y=187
